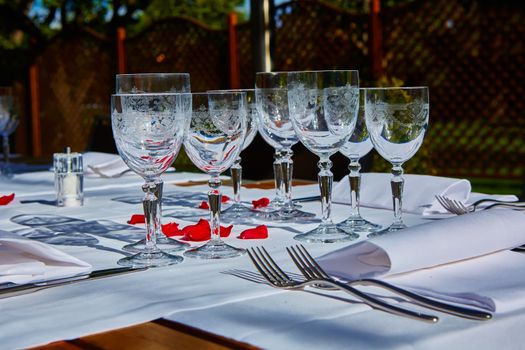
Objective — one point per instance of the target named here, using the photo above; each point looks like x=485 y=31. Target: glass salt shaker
x=69 y=178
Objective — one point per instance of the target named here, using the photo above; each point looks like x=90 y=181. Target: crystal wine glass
x=239 y=212
x=155 y=83
x=323 y=109
x=214 y=140
x=357 y=146
x=9 y=119
x=397 y=119
x=148 y=131
x=275 y=126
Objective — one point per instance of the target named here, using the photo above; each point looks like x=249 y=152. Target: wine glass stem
x=355 y=186
x=214 y=200
x=150 y=204
x=278 y=175
x=287 y=175
x=5 y=148
x=159 y=187
x=326 y=178
x=236 y=173
x=397 y=183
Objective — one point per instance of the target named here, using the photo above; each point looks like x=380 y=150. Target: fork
x=458 y=208
x=279 y=279
x=311 y=270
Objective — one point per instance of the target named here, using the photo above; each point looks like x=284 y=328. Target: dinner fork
x=279 y=279
x=312 y=270
x=458 y=208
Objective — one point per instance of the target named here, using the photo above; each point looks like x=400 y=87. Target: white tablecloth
x=207 y=294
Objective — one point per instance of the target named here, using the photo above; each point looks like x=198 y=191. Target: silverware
x=458 y=208
x=311 y=270
x=102 y=175
x=94 y=275
x=307 y=199
x=279 y=279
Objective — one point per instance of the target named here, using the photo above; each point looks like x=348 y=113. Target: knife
x=94 y=275
x=307 y=199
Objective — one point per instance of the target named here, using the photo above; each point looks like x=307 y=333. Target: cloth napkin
x=105 y=163
x=419 y=192
x=456 y=247
x=23 y=260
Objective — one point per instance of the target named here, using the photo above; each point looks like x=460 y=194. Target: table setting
x=373 y=260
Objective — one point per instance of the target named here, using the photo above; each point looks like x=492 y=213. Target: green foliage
x=212 y=13
x=21 y=28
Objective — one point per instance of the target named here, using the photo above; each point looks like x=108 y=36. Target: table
x=170 y=307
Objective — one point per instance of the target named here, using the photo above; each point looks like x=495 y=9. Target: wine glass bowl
x=139 y=83
x=397 y=119
x=148 y=131
x=323 y=109
x=215 y=138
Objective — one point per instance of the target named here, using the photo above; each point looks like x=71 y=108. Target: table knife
x=34 y=287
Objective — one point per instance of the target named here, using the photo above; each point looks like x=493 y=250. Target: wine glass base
x=391 y=228
x=150 y=259
x=276 y=205
x=163 y=243
x=326 y=234
x=285 y=215
x=215 y=250
x=358 y=225
x=6 y=173
x=238 y=214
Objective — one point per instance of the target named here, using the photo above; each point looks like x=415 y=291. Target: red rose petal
x=204 y=205
x=171 y=229
x=259 y=232
x=202 y=231
x=137 y=219
x=225 y=231
x=260 y=203
x=5 y=200
x=198 y=232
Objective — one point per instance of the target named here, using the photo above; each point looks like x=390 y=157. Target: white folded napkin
x=105 y=163
x=23 y=260
x=419 y=192
x=433 y=246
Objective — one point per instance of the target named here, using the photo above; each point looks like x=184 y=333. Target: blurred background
x=62 y=56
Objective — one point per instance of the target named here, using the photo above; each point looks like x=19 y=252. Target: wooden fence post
x=36 y=136
x=376 y=39
x=121 y=51
x=233 y=52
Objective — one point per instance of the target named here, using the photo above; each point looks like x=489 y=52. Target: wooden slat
x=233 y=52
x=36 y=132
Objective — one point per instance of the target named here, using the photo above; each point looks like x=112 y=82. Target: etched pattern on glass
x=397 y=129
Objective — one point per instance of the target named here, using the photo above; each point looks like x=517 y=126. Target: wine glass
x=323 y=109
x=155 y=83
x=9 y=119
x=214 y=140
x=239 y=212
x=148 y=131
x=152 y=82
x=397 y=119
x=357 y=146
x=275 y=126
